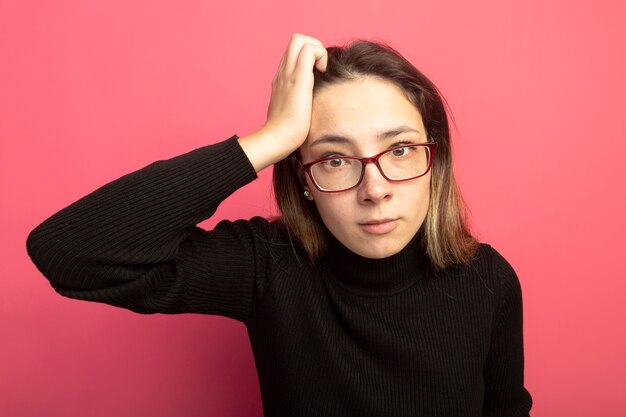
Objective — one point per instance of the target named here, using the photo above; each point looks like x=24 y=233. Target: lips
x=379 y=226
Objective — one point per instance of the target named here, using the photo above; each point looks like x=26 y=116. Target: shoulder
x=268 y=238
x=486 y=261
x=489 y=260
x=487 y=269
x=257 y=230
x=500 y=274
x=272 y=230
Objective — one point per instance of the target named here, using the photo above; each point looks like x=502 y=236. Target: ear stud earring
x=307 y=194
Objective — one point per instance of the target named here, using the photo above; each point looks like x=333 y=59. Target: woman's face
x=364 y=117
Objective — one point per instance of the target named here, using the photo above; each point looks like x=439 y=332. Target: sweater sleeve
x=505 y=394
x=134 y=242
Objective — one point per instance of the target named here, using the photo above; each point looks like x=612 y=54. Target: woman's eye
x=336 y=163
x=407 y=150
x=400 y=152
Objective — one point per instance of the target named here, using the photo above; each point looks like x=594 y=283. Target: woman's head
x=368 y=100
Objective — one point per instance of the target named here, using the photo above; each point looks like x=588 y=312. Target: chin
x=374 y=252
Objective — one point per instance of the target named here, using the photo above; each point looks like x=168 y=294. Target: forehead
x=363 y=108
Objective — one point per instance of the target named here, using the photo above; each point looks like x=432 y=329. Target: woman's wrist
x=264 y=148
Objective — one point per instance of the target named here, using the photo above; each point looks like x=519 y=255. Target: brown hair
x=445 y=233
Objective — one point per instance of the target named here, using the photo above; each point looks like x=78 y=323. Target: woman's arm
x=505 y=394
x=134 y=242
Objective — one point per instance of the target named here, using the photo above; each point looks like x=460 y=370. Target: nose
x=374 y=188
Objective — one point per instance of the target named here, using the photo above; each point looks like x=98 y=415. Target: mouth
x=379 y=226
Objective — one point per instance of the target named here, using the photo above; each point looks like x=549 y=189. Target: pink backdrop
x=90 y=90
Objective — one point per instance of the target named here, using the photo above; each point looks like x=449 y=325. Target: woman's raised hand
x=289 y=111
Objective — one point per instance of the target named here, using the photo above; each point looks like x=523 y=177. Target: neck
x=374 y=277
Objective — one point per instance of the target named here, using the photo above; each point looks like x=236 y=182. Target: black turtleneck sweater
x=348 y=336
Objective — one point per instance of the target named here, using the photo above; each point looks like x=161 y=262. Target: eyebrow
x=333 y=138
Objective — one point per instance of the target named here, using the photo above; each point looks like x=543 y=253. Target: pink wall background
x=91 y=90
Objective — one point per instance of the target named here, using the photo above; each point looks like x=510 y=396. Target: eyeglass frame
x=371 y=159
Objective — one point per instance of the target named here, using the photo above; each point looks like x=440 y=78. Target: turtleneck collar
x=377 y=277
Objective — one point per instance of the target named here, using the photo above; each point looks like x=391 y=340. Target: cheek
x=334 y=209
x=418 y=198
x=423 y=195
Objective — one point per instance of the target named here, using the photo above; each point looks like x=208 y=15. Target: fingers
x=289 y=110
x=295 y=48
x=309 y=56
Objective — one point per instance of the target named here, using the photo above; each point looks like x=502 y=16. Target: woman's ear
x=296 y=162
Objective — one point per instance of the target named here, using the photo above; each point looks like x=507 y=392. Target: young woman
x=368 y=297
